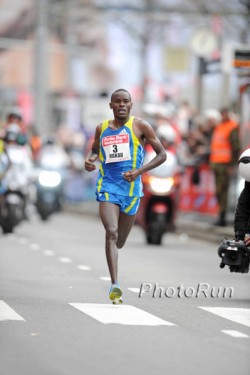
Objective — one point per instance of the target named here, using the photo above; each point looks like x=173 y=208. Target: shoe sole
x=116 y=293
x=118 y=301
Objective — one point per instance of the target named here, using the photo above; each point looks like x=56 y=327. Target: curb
x=204 y=231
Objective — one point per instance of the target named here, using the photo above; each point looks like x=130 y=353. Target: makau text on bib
x=202 y=290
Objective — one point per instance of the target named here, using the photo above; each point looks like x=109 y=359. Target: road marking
x=65 y=260
x=35 y=246
x=105 y=278
x=12 y=237
x=23 y=241
x=49 y=253
x=234 y=333
x=134 y=290
x=35 y=334
x=122 y=314
x=7 y=313
x=82 y=267
x=237 y=315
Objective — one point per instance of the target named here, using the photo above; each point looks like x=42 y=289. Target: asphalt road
x=56 y=319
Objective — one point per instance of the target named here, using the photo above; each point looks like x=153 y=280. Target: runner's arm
x=148 y=135
x=94 y=153
x=151 y=138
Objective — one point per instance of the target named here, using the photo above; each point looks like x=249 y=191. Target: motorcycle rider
x=16 y=119
x=5 y=164
x=242 y=213
x=52 y=154
x=19 y=153
x=168 y=137
x=54 y=158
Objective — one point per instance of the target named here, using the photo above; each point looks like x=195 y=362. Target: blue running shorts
x=128 y=205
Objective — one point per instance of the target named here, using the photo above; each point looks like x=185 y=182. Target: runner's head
x=121 y=104
x=117 y=91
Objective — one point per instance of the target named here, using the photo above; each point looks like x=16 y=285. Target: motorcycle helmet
x=244 y=165
x=167 y=133
x=212 y=115
x=12 y=133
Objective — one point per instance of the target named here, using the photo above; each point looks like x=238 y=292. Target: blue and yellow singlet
x=120 y=151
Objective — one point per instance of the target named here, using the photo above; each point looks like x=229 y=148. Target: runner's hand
x=130 y=176
x=89 y=163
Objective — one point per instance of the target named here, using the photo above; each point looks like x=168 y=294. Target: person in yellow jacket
x=224 y=154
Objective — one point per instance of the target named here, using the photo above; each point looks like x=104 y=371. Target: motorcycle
x=157 y=212
x=16 y=188
x=52 y=165
x=48 y=193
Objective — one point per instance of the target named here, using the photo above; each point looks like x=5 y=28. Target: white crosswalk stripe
x=237 y=315
x=122 y=314
x=7 y=313
x=131 y=315
x=134 y=290
x=233 y=333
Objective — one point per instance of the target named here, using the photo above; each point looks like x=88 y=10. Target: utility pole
x=70 y=42
x=199 y=88
x=41 y=119
x=145 y=39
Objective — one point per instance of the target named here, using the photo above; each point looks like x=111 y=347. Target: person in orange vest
x=35 y=142
x=224 y=154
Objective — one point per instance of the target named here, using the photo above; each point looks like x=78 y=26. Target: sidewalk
x=193 y=224
x=201 y=226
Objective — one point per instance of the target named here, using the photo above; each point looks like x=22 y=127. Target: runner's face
x=121 y=105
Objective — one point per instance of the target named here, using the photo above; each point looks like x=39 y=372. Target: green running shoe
x=115 y=292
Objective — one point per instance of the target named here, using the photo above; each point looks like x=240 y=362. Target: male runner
x=119 y=144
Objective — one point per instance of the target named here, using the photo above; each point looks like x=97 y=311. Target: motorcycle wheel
x=44 y=215
x=10 y=221
x=154 y=238
x=7 y=229
x=44 y=210
x=156 y=231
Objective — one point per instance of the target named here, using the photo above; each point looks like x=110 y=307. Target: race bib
x=116 y=148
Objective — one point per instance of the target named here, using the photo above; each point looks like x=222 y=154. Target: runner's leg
x=125 y=224
x=109 y=214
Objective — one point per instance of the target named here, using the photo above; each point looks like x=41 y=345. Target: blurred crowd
x=212 y=139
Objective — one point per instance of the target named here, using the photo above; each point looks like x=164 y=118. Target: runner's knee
x=112 y=233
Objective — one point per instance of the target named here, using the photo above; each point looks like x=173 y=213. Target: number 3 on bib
x=116 y=148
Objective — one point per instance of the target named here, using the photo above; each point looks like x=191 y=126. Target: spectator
x=224 y=153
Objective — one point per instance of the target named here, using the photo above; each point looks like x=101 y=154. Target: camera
x=234 y=254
